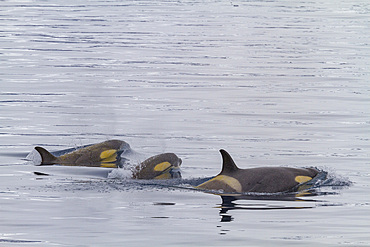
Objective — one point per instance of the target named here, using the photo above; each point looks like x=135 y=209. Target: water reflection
x=269 y=202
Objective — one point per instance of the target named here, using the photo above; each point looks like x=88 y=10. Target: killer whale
x=104 y=154
x=161 y=166
x=233 y=179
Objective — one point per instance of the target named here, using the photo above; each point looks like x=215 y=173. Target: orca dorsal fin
x=228 y=164
x=46 y=157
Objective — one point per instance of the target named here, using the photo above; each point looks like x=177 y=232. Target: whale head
x=161 y=166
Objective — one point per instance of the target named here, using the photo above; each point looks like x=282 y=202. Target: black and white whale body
x=232 y=179
x=104 y=154
x=161 y=166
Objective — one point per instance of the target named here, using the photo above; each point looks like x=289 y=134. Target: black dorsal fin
x=228 y=164
x=46 y=156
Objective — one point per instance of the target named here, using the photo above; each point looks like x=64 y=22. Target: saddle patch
x=223 y=179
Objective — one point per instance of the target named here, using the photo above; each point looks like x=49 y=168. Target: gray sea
x=273 y=82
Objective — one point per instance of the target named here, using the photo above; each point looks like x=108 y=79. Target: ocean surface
x=275 y=83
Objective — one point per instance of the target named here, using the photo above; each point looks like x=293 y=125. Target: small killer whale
x=108 y=155
x=232 y=179
x=104 y=154
x=161 y=166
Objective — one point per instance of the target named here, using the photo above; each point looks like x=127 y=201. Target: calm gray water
x=273 y=82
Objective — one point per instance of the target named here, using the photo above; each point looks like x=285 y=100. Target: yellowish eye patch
x=109 y=155
x=162 y=166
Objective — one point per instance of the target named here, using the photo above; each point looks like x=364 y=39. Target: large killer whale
x=108 y=155
x=233 y=179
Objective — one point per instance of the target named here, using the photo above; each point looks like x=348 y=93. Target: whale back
x=232 y=179
x=104 y=154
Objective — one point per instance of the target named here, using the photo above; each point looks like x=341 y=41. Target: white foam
x=120 y=173
x=33 y=158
